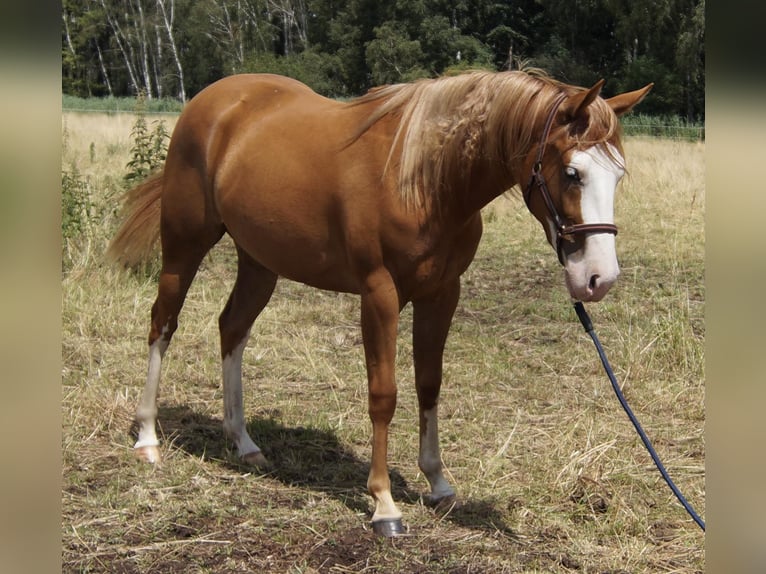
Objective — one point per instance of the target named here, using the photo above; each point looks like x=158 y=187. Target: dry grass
x=551 y=475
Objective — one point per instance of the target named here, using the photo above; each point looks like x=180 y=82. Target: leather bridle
x=563 y=231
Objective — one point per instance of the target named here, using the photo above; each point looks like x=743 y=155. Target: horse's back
x=243 y=125
x=224 y=112
x=256 y=90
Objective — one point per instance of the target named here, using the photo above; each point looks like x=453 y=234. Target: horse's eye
x=572 y=174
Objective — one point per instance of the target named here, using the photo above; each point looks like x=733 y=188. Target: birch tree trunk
x=157 y=68
x=103 y=70
x=143 y=44
x=68 y=35
x=168 y=19
x=123 y=46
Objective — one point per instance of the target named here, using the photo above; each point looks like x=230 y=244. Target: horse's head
x=573 y=174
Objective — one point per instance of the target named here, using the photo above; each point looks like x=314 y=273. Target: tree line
x=341 y=48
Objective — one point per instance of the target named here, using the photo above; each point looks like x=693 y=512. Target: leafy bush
x=149 y=148
x=667 y=95
x=393 y=56
x=75 y=203
x=321 y=71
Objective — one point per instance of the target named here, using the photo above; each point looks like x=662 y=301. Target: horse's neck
x=486 y=179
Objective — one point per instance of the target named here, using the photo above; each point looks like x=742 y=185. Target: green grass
x=116 y=105
x=550 y=474
x=673 y=127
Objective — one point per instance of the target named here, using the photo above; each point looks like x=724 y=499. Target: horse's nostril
x=593 y=282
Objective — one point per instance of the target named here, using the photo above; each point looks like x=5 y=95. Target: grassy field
x=550 y=474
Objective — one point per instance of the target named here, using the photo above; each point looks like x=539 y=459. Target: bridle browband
x=563 y=231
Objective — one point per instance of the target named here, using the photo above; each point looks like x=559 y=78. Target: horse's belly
x=304 y=248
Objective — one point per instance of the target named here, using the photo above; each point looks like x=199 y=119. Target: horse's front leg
x=432 y=317
x=380 y=319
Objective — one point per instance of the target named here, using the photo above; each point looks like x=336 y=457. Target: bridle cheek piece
x=563 y=231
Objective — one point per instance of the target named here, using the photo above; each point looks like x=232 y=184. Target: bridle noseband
x=563 y=231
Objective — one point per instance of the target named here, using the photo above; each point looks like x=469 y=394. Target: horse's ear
x=574 y=106
x=623 y=103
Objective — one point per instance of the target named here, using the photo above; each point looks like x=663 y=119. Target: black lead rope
x=588 y=326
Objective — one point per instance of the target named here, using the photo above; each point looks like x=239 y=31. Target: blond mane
x=452 y=121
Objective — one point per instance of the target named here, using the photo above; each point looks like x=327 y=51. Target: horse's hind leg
x=181 y=257
x=252 y=291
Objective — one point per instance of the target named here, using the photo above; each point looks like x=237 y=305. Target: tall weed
x=76 y=203
x=149 y=147
x=91 y=188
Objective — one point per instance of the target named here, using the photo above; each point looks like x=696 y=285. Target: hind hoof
x=150 y=454
x=445 y=504
x=390 y=528
x=257 y=460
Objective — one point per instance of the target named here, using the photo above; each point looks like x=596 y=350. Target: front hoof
x=149 y=453
x=388 y=528
x=257 y=460
x=445 y=504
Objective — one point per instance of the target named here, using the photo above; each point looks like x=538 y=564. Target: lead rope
x=582 y=314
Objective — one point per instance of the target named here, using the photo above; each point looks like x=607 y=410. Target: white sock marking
x=146 y=413
x=429 y=460
x=233 y=409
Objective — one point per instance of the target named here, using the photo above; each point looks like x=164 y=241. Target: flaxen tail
x=135 y=240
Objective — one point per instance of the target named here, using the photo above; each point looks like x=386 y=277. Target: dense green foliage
x=341 y=48
x=149 y=147
x=75 y=203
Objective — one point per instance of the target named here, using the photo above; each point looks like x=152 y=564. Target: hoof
x=150 y=454
x=445 y=504
x=257 y=460
x=388 y=528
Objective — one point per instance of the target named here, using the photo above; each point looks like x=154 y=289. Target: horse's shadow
x=308 y=457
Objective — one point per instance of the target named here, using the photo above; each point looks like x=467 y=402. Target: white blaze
x=592 y=270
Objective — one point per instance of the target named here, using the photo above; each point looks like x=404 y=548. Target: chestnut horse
x=379 y=196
